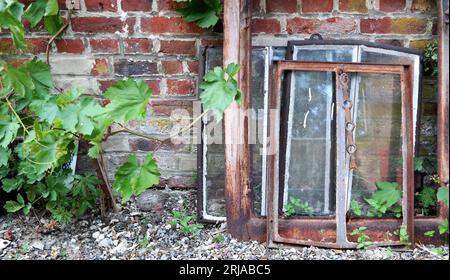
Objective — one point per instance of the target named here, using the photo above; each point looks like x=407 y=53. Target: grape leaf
x=10 y=18
x=79 y=117
x=4 y=156
x=442 y=195
x=11 y=184
x=17 y=79
x=218 y=92
x=14 y=206
x=388 y=193
x=205 y=12
x=427 y=197
x=129 y=99
x=8 y=127
x=35 y=12
x=132 y=178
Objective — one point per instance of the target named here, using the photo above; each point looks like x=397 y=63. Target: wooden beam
x=443 y=100
x=236 y=49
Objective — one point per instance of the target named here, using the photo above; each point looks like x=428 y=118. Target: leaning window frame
x=292 y=227
x=202 y=213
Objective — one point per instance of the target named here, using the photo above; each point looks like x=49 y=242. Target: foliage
x=295 y=205
x=219 y=92
x=39 y=130
x=443 y=227
x=429 y=233
x=363 y=239
x=403 y=234
x=133 y=178
x=356 y=207
x=427 y=197
x=442 y=195
x=11 y=12
x=205 y=13
x=185 y=223
x=387 y=199
x=431 y=58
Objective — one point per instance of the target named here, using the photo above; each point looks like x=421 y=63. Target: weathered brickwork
x=109 y=40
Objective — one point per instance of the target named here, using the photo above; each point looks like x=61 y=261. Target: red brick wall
x=112 y=39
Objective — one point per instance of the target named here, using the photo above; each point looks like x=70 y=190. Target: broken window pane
x=379 y=145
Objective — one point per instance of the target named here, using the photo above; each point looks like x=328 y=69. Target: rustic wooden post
x=443 y=99
x=236 y=49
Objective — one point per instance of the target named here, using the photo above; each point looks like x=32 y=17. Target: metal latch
x=73 y=4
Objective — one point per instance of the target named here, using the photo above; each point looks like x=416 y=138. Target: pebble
x=122 y=237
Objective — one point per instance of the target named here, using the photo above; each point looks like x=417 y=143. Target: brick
x=314 y=6
x=7 y=46
x=154 y=85
x=100 y=67
x=419 y=44
x=78 y=65
x=168 y=5
x=392 y=5
x=104 y=45
x=333 y=25
x=178 y=47
x=137 y=5
x=354 y=6
x=70 y=46
x=193 y=67
x=137 y=45
x=172 y=67
x=166 y=107
x=105 y=84
x=99 y=24
x=160 y=24
x=381 y=26
x=396 y=26
x=423 y=5
x=101 y=5
x=281 y=6
x=266 y=26
x=125 y=67
x=180 y=87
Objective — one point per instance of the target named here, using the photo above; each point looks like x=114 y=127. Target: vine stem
x=143 y=135
x=16 y=115
x=60 y=31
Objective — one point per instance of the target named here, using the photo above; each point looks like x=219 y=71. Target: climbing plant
x=205 y=13
x=40 y=126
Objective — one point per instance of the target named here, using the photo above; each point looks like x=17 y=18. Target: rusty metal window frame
x=292 y=227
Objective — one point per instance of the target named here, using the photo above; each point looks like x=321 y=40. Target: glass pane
x=213 y=152
x=214 y=199
x=379 y=147
x=325 y=53
x=309 y=181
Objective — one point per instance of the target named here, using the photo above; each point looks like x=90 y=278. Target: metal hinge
x=73 y=4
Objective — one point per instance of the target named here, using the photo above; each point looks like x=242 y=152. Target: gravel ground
x=134 y=234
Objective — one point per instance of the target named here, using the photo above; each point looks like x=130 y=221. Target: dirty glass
x=309 y=169
x=378 y=139
x=213 y=153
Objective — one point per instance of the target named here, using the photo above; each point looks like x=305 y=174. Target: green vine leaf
x=129 y=99
x=218 y=92
x=132 y=178
x=4 y=156
x=442 y=195
x=8 y=127
x=16 y=79
x=10 y=18
x=13 y=206
x=205 y=12
x=47 y=9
